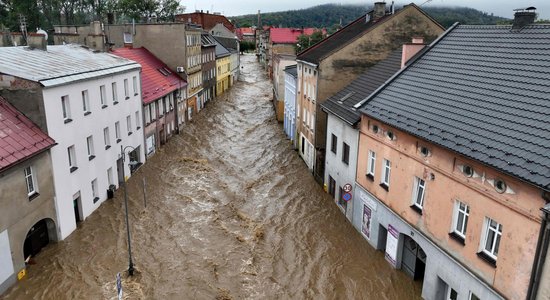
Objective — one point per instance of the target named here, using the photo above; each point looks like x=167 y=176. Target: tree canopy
x=305 y=41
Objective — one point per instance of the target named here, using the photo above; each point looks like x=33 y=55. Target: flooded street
x=232 y=213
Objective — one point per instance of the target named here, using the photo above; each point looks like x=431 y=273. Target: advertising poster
x=391 y=245
x=365 y=226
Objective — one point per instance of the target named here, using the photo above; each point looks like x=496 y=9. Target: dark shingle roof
x=341 y=104
x=292 y=70
x=481 y=91
x=207 y=40
x=221 y=51
x=229 y=43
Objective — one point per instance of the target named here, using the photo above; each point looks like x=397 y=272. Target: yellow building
x=223 y=69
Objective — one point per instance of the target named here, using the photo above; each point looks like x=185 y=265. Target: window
x=418 y=195
x=371 y=164
x=113 y=88
x=460 y=219
x=103 y=96
x=129 y=125
x=375 y=128
x=106 y=138
x=451 y=294
x=72 y=158
x=117 y=132
x=331 y=186
x=424 y=151
x=134 y=79
x=491 y=238
x=31 y=182
x=345 y=154
x=334 y=144
x=138 y=127
x=85 y=103
x=90 y=145
x=473 y=297
x=95 y=195
x=147 y=115
x=66 y=109
x=500 y=185
x=126 y=89
x=385 y=180
x=153 y=111
x=390 y=135
x=161 y=107
x=468 y=171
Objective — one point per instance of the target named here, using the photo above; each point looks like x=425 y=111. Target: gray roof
x=481 y=91
x=231 y=44
x=292 y=70
x=341 y=104
x=207 y=40
x=221 y=51
x=60 y=64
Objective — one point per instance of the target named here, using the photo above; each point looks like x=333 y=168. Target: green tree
x=306 y=41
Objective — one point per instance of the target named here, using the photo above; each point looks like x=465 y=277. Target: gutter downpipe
x=540 y=254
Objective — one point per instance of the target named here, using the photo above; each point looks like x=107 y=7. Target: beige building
x=280 y=62
x=331 y=64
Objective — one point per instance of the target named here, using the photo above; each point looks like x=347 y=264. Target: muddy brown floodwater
x=232 y=213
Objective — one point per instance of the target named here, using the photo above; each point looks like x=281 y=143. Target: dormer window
x=425 y=151
x=468 y=171
x=500 y=185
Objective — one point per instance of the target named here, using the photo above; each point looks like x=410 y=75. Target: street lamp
x=131 y=163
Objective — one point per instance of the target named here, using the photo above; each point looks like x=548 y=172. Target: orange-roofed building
x=160 y=89
x=246 y=34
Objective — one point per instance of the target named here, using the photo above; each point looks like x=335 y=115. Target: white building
x=343 y=133
x=90 y=104
x=290 y=104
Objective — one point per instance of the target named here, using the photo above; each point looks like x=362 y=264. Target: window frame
x=126 y=89
x=386 y=173
x=66 y=108
x=86 y=102
x=30 y=178
x=90 y=147
x=334 y=144
x=95 y=194
x=117 y=132
x=106 y=137
x=134 y=83
x=496 y=238
x=71 y=153
x=114 y=92
x=103 y=96
x=460 y=214
x=129 y=124
x=345 y=153
x=419 y=183
x=371 y=164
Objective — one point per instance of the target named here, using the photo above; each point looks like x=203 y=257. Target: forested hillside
x=331 y=15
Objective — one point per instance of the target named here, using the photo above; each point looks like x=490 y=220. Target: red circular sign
x=347 y=188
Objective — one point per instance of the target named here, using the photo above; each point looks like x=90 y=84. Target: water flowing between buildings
x=232 y=213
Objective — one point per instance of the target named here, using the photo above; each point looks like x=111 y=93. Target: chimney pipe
x=525 y=17
x=411 y=49
x=379 y=10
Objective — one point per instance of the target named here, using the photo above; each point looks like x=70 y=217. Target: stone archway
x=38 y=237
x=414 y=259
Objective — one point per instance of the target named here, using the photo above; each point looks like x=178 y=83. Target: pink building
x=454 y=162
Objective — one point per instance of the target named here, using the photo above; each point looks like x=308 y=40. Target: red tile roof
x=154 y=84
x=288 y=35
x=20 y=138
x=206 y=20
x=244 y=31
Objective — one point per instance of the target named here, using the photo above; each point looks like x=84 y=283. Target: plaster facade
x=280 y=62
x=223 y=72
x=20 y=212
x=516 y=210
x=290 y=108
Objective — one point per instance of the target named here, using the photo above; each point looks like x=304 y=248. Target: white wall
x=334 y=166
x=6 y=265
x=75 y=133
x=290 y=106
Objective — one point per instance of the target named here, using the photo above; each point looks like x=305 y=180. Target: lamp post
x=130 y=263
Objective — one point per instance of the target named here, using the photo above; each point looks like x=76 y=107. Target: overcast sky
x=503 y=8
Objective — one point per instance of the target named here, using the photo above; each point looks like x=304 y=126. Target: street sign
x=346 y=196
x=347 y=188
x=119 y=286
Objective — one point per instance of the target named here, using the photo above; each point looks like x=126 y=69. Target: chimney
x=96 y=28
x=379 y=10
x=523 y=17
x=411 y=49
x=37 y=41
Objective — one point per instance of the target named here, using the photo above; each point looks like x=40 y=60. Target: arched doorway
x=38 y=237
x=414 y=259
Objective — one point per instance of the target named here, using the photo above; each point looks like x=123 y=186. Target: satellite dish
x=40 y=31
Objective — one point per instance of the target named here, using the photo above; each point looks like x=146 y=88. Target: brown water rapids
x=232 y=213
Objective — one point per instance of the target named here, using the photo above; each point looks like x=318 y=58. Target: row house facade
x=90 y=104
x=223 y=68
x=328 y=66
x=283 y=41
x=453 y=168
x=28 y=219
x=343 y=124
x=208 y=52
x=233 y=46
x=153 y=36
x=280 y=62
x=289 y=123
x=160 y=88
x=193 y=69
